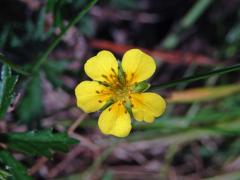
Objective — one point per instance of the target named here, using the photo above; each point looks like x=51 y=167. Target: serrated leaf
x=15 y=168
x=7 y=84
x=38 y=142
x=31 y=106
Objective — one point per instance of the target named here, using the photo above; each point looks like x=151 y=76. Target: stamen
x=109 y=109
x=104 y=83
x=129 y=79
x=97 y=92
x=108 y=79
x=113 y=71
x=99 y=101
x=104 y=76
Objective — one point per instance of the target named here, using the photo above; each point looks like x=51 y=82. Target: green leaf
x=13 y=66
x=141 y=87
x=7 y=84
x=4 y=175
x=86 y=26
x=57 y=13
x=38 y=142
x=42 y=59
x=15 y=168
x=119 y=4
x=31 y=106
x=53 y=70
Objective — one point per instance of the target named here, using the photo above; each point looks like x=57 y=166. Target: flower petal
x=103 y=64
x=91 y=95
x=115 y=120
x=147 y=106
x=137 y=65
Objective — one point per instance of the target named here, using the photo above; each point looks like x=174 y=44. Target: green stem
x=196 y=78
x=16 y=68
x=44 y=56
x=196 y=11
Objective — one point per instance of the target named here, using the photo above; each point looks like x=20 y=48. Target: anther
x=109 y=109
x=104 y=76
x=99 y=101
x=97 y=92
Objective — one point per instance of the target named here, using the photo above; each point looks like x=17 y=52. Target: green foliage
x=15 y=168
x=43 y=143
x=3 y=35
x=193 y=78
x=210 y=120
x=130 y=4
x=217 y=112
x=4 y=175
x=173 y=38
x=86 y=26
x=31 y=104
x=56 y=8
x=54 y=70
x=7 y=84
x=141 y=87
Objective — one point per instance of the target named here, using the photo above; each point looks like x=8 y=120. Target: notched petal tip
x=114 y=121
x=101 y=65
x=138 y=65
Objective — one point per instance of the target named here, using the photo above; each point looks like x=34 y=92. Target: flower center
x=120 y=90
x=121 y=93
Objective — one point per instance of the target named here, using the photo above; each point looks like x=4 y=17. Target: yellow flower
x=119 y=84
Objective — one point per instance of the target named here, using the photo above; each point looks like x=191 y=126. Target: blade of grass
x=55 y=42
x=230 y=176
x=203 y=94
x=173 y=38
x=196 y=77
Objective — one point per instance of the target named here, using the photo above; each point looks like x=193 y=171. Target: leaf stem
x=197 y=77
x=44 y=56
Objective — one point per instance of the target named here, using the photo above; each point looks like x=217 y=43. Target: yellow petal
x=91 y=95
x=115 y=120
x=138 y=66
x=103 y=64
x=147 y=106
